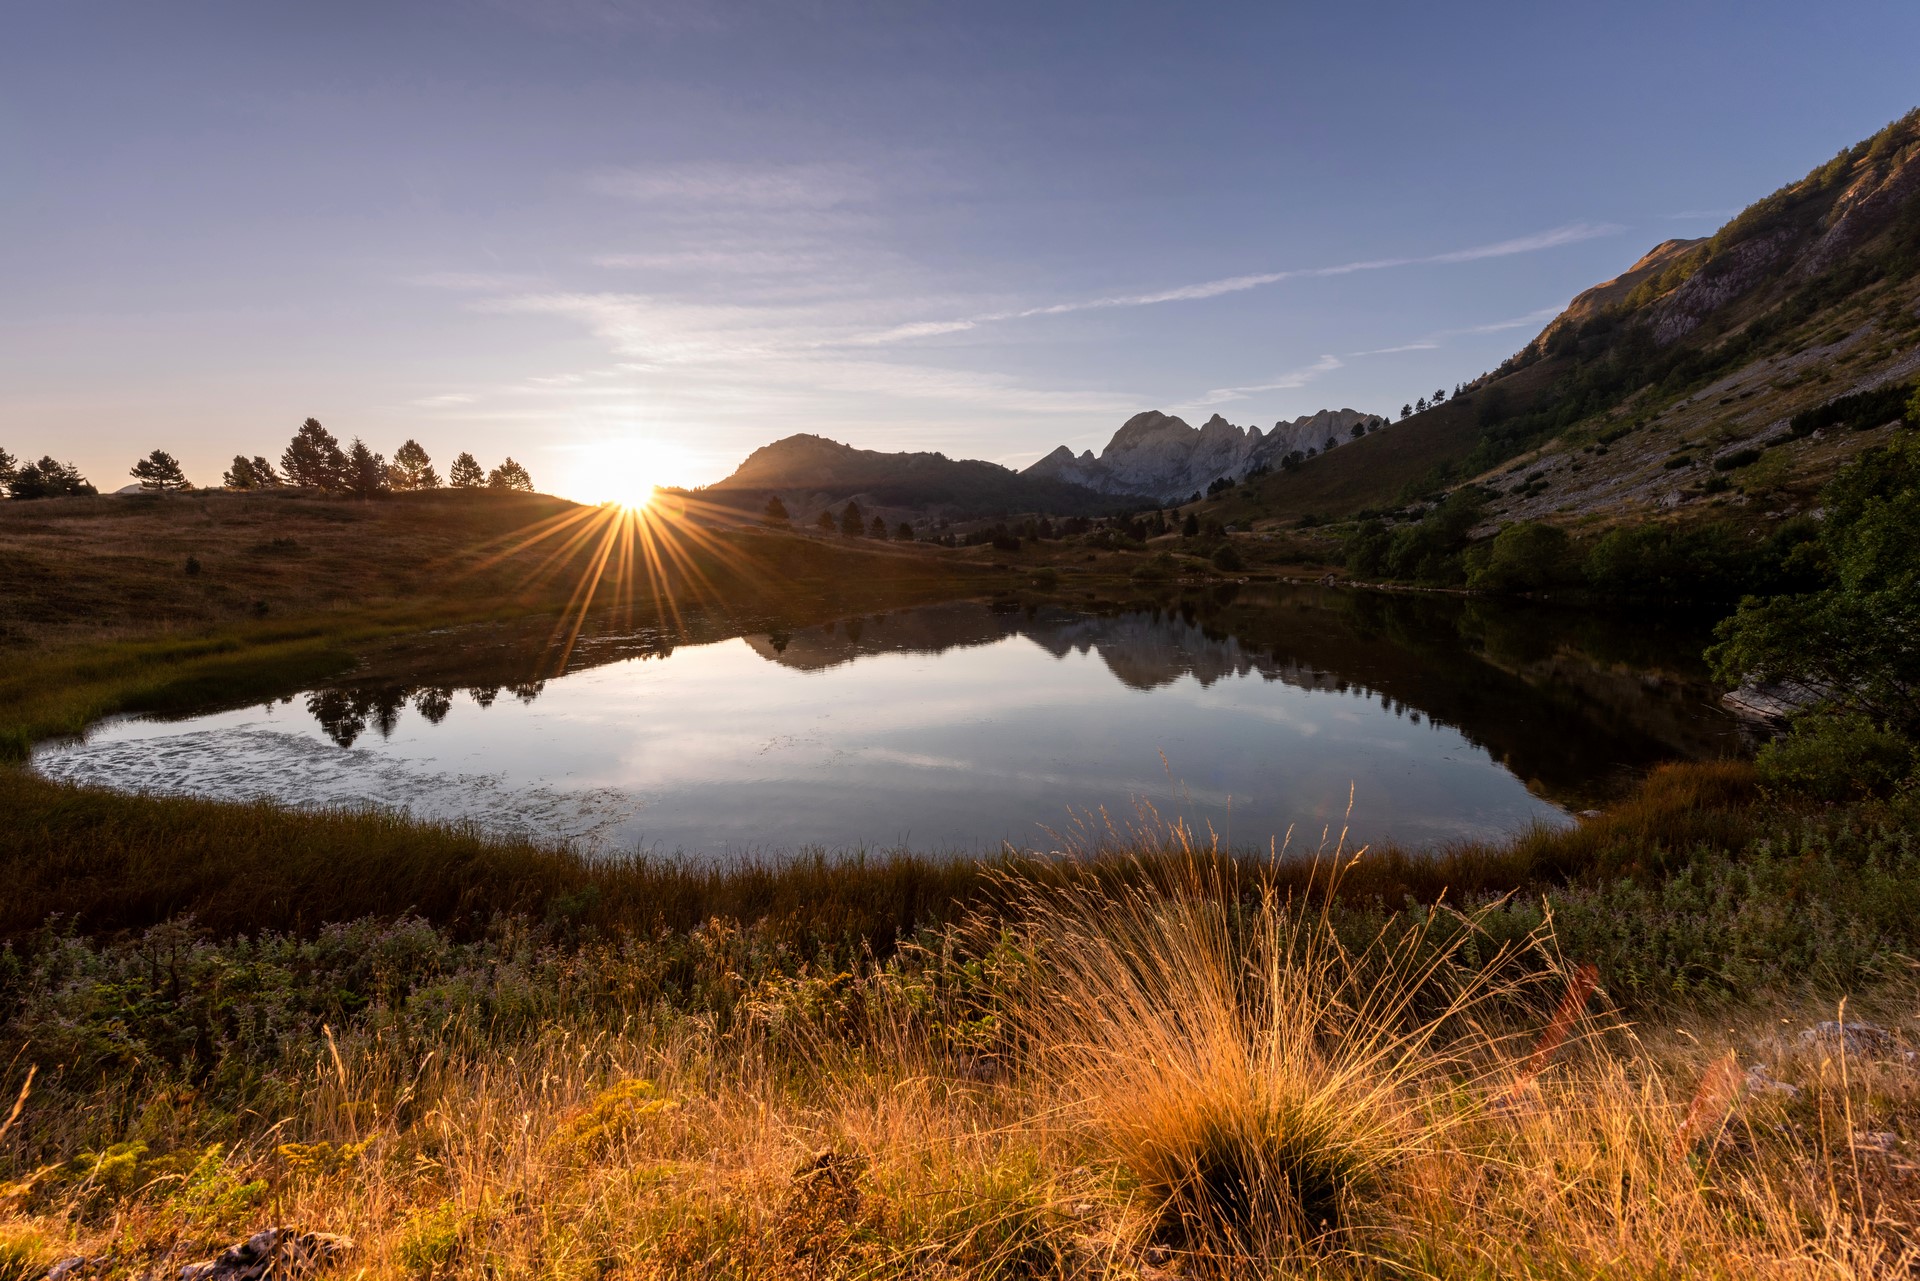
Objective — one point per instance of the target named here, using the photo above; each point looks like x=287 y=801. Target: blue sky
x=621 y=239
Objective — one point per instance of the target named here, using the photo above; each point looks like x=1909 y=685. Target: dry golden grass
x=1142 y=1082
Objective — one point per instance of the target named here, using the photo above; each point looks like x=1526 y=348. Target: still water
x=962 y=726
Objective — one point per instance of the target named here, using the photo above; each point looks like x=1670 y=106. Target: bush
x=1523 y=557
x=1227 y=560
x=1836 y=757
x=1735 y=461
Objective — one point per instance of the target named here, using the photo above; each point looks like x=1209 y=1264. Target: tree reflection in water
x=346 y=714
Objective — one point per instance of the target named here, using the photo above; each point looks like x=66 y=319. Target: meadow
x=1675 y=1039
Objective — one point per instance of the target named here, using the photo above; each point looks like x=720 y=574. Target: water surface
x=963 y=726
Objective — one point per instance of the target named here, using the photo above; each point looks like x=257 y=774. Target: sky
x=633 y=240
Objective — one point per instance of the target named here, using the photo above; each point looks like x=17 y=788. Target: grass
x=1168 y=1071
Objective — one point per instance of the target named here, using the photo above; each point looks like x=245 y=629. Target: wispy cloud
x=1553 y=238
x=1291 y=381
x=1696 y=215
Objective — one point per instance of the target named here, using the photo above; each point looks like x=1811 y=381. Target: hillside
x=1695 y=380
x=811 y=474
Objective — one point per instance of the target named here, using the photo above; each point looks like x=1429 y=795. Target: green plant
x=1226 y=558
x=24 y=1255
x=1525 y=556
x=1836 y=757
x=432 y=1239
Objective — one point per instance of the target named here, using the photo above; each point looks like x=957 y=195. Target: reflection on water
x=962 y=725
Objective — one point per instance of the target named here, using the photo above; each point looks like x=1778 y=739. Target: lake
x=964 y=726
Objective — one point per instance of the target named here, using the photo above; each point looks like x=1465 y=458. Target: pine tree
x=903 y=533
x=159 y=473
x=9 y=468
x=412 y=469
x=826 y=522
x=314 y=459
x=852 y=523
x=1190 y=527
x=264 y=476
x=1406 y=411
x=878 y=529
x=49 y=478
x=366 y=471
x=240 y=475
x=510 y=475
x=776 y=512
x=466 y=473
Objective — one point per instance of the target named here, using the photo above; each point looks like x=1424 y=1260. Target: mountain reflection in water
x=702 y=754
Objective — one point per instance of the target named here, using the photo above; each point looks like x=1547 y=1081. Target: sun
x=626 y=472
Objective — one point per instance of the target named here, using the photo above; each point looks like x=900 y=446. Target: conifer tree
x=826 y=522
x=412 y=469
x=314 y=459
x=852 y=523
x=366 y=471
x=510 y=475
x=465 y=473
x=49 y=478
x=159 y=473
x=776 y=512
x=240 y=475
x=903 y=533
x=9 y=468
x=264 y=476
x=878 y=529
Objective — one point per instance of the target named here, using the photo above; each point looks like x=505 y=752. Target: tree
x=852 y=524
x=240 y=475
x=314 y=459
x=776 y=512
x=1359 y=430
x=465 y=473
x=1420 y=405
x=1406 y=412
x=412 y=470
x=366 y=471
x=1190 y=527
x=1440 y=395
x=159 y=473
x=1853 y=645
x=510 y=475
x=49 y=479
x=1525 y=556
x=903 y=533
x=9 y=468
x=264 y=476
x=1329 y=446
x=878 y=529
x=826 y=523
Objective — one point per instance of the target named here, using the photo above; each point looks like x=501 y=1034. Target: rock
x=275 y=1254
x=1761 y=1081
x=78 y=1266
x=1876 y=1141
x=1855 y=1038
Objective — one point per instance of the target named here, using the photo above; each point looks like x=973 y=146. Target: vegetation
x=481 y=1059
x=159 y=473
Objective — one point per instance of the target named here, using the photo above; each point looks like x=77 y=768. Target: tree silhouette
x=878 y=529
x=314 y=459
x=852 y=523
x=903 y=532
x=1406 y=411
x=1420 y=405
x=412 y=469
x=776 y=512
x=826 y=522
x=9 y=468
x=465 y=473
x=159 y=473
x=510 y=475
x=240 y=475
x=1359 y=430
x=264 y=476
x=1440 y=395
x=366 y=471
x=49 y=478
x=1190 y=527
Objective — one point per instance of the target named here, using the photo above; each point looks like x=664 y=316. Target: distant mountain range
x=1160 y=457
x=1153 y=458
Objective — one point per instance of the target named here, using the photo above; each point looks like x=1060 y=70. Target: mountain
x=1735 y=372
x=1158 y=456
x=811 y=473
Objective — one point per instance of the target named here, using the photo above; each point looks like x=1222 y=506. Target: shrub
x=1227 y=560
x=1836 y=757
x=1735 y=461
x=1523 y=557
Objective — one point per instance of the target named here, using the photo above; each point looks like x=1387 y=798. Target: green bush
x=1525 y=556
x=1836 y=757
x=1227 y=560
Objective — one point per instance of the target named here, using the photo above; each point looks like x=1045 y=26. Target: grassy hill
x=1707 y=359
